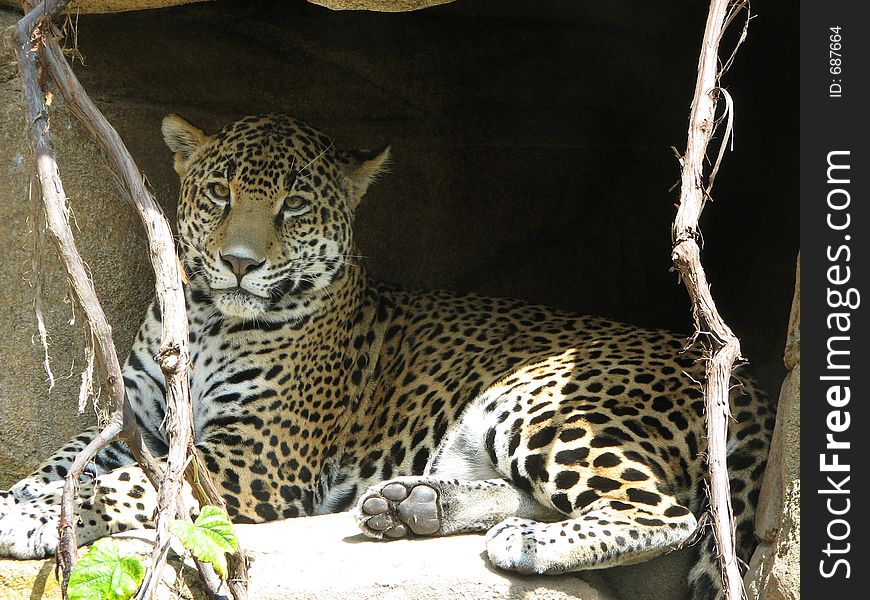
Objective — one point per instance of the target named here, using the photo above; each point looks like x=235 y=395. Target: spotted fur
x=574 y=442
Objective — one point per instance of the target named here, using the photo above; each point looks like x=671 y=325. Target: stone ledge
x=323 y=558
x=111 y=6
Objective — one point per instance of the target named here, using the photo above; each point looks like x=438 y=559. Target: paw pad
x=394 y=510
x=395 y=492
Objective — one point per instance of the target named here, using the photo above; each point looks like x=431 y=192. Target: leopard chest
x=267 y=408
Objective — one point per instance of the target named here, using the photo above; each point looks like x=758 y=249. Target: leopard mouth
x=236 y=293
x=240 y=290
x=288 y=293
x=238 y=302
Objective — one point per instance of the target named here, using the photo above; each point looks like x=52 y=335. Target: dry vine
x=36 y=40
x=722 y=345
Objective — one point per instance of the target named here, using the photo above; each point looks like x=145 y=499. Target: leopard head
x=265 y=211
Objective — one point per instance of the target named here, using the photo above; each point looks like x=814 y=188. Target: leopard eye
x=295 y=205
x=217 y=191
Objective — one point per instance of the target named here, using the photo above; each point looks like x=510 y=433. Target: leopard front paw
x=398 y=509
x=511 y=545
x=28 y=533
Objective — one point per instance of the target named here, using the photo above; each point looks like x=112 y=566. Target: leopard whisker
x=316 y=158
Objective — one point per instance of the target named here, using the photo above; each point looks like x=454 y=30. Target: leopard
x=571 y=442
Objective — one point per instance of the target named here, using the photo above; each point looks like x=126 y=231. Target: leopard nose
x=241 y=265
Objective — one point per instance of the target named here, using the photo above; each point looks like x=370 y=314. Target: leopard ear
x=362 y=167
x=183 y=139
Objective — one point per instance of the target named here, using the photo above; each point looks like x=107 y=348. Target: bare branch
x=154 y=472
x=173 y=355
x=30 y=38
x=66 y=555
x=721 y=343
x=735 y=10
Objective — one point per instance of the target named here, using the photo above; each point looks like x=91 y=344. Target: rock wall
x=110 y=6
x=34 y=418
x=774 y=573
x=379 y=5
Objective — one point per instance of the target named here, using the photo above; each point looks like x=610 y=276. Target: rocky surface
x=111 y=6
x=323 y=558
x=774 y=572
x=379 y=5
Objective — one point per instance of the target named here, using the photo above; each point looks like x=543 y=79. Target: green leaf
x=209 y=538
x=103 y=574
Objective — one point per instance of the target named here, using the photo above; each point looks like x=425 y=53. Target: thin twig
x=65 y=560
x=722 y=345
x=732 y=14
